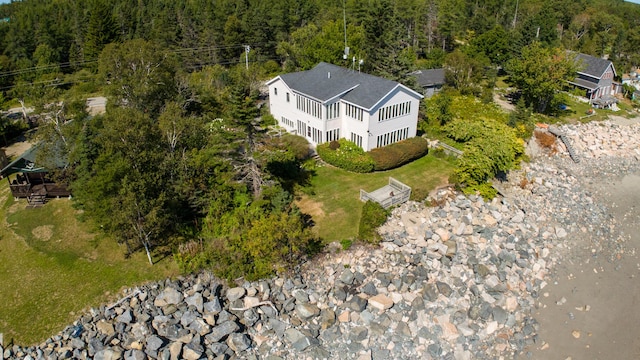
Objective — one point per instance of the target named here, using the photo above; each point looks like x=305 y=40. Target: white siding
x=315 y=128
x=408 y=120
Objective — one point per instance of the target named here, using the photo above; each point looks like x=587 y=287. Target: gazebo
x=29 y=180
x=389 y=195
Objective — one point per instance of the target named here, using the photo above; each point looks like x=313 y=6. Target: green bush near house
x=373 y=216
x=398 y=154
x=347 y=156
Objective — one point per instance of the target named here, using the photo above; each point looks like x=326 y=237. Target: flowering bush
x=347 y=156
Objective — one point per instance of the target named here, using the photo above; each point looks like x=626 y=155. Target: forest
x=183 y=161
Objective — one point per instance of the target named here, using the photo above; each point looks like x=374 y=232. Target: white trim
x=420 y=97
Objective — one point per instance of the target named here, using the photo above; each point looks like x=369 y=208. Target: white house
x=329 y=102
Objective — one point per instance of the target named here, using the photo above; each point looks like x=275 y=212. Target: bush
x=398 y=154
x=347 y=156
x=346 y=244
x=373 y=216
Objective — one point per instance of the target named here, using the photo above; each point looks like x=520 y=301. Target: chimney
x=328 y=75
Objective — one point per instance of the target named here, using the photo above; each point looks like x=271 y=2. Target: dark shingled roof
x=429 y=77
x=591 y=65
x=327 y=81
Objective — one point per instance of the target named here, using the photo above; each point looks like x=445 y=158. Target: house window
x=287 y=97
x=333 y=134
x=394 y=111
x=357 y=139
x=392 y=137
x=275 y=91
x=354 y=112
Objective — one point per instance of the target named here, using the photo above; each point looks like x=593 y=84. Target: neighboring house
x=595 y=76
x=329 y=102
x=431 y=80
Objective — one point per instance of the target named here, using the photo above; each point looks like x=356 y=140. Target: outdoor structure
x=30 y=181
x=393 y=194
x=431 y=81
x=329 y=102
x=595 y=77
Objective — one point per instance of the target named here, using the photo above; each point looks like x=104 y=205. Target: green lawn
x=53 y=268
x=335 y=206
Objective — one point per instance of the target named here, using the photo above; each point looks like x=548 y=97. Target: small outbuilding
x=29 y=180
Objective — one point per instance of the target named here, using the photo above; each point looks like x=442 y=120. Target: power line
x=84 y=62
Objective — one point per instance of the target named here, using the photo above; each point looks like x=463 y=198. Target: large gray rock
x=238 y=342
x=195 y=300
x=221 y=331
x=235 y=293
x=168 y=296
x=307 y=311
x=108 y=354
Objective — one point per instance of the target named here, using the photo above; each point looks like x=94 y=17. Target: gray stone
x=292 y=335
x=278 y=326
x=369 y=289
x=358 y=333
x=235 y=293
x=189 y=353
x=347 y=276
x=435 y=350
x=221 y=331
x=108 y=354
x=327 y=318
x=500 y=315
x=444 y=288
x=125 y=317
x=307 y=311
x=195 y=300
x=430 y=292
x=238 y=342
x=168 y=296
x=305 y=342
x=135 y=354
x=212 y=307
x=218 y=349
x=154 y=343
x=357 y=303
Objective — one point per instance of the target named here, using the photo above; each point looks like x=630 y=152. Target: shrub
x=398 y=154
x=347 y=156
x=334 y=145
x=346 y=244
x=419 y=194
x=373 y=216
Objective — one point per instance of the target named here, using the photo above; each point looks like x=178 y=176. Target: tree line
x=183 y=160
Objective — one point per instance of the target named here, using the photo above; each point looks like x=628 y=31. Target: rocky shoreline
x=460 y=280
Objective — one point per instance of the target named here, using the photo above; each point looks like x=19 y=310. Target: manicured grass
x=335 y=206
x=53 y=268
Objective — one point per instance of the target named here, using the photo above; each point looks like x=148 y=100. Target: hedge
x=398 y=154
x=347 y=156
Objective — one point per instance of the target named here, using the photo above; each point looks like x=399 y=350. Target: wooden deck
x=394 y=193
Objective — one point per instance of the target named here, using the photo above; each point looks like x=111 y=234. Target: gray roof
x=430 y=77
x=584 y=84
x=591 y=65
x=326 y=81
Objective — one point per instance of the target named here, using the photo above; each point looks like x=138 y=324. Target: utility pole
x=344 y=18
x=515 y=15
x=246 y=55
